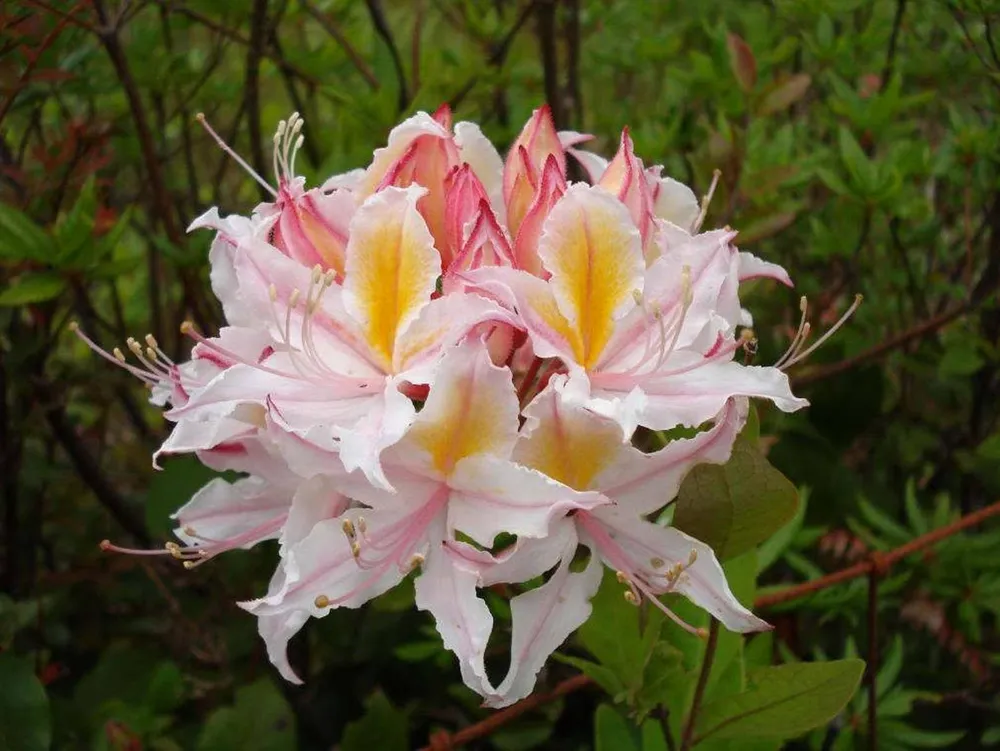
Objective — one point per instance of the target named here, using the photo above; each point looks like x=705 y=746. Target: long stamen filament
x=800 y=356
x=200 y=117
x=705 y=202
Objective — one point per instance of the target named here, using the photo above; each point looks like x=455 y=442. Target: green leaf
x=259 y=719
x=33 y=287
x=784 y=94
x=742 y=62
x=734 y=507
x=612 y=635
x=772 y=548
x=25 y=722
x=653 y=737
x=856 y=161
x=783 y=701
x=172 y=487
x=21 y=239
x=611 y=731
x=382 y=727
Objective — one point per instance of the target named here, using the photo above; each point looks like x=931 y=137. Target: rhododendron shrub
x=440 y=367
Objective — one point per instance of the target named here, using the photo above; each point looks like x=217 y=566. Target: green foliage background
x=858 y=145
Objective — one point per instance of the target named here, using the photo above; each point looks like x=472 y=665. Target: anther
x=293 y=299
x=416 y=561
x=630 y=597
x=322 y=601
x=74 y=326
x=348 y=526
x=119 y=355
x=693 y=557
x=187 y=327
x=656 y=562
x=105 y=545
x=362 y=525
x=151 y=341
x=622 y=577
x=272 y=292
x=701 y=633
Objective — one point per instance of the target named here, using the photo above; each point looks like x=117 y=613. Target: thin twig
x=161 y=198
x=687 y=740
x=871 y=676
x=499 y=719
x=333 y=30
x=88 y=470
x=890 y=57
x=885 y=560
x=883 y=348
x=879 y=562
x=499 y=54
x=546 y=22
x=251 y=89
x=382 y=28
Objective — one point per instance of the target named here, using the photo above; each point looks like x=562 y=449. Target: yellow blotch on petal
x=472 y=410
x=593 y=252
x=568 y=444
x=392 y=267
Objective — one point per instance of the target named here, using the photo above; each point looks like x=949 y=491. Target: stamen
x=200 y=117
x=800 y=333
x=322 y=601
x=705 y=201
x=800 y=356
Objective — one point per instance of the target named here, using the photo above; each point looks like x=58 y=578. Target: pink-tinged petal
x=708 y=264
x=232 y=231
x=642 y=483
x=551 y=334
x=593 y=164
x=388 y=416
x=351 y=180
x=472 y=410
x=254 y=454
x=752 y=267
x=490 y=495
x=593 y=251
x=522 y=191
x=539 y=140
x=426 y=161
x=476 y=150
x=312 y=227
x=528 y=557
x=463 y=195
x=444 y=322
x=646 y=550
x=189 y=436
x=569 y=138
x=277 y=631
x=550 y=191
x=675 y=202
x=400 y=139
x=543 y=618
x=625 y=177
x=446 y=588
x=567 y=442
x=237 y=515
x=315 y=500
x=442 y=116
x=321 y=571
x=698 y=395
x=392 y=268
x=269 y=282
x=487 y=245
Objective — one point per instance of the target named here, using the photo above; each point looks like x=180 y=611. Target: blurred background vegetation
x=858 y=145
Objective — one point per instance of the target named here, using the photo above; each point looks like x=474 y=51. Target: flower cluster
x=436 y=366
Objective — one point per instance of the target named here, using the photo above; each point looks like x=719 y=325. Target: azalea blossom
x=435 y=366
